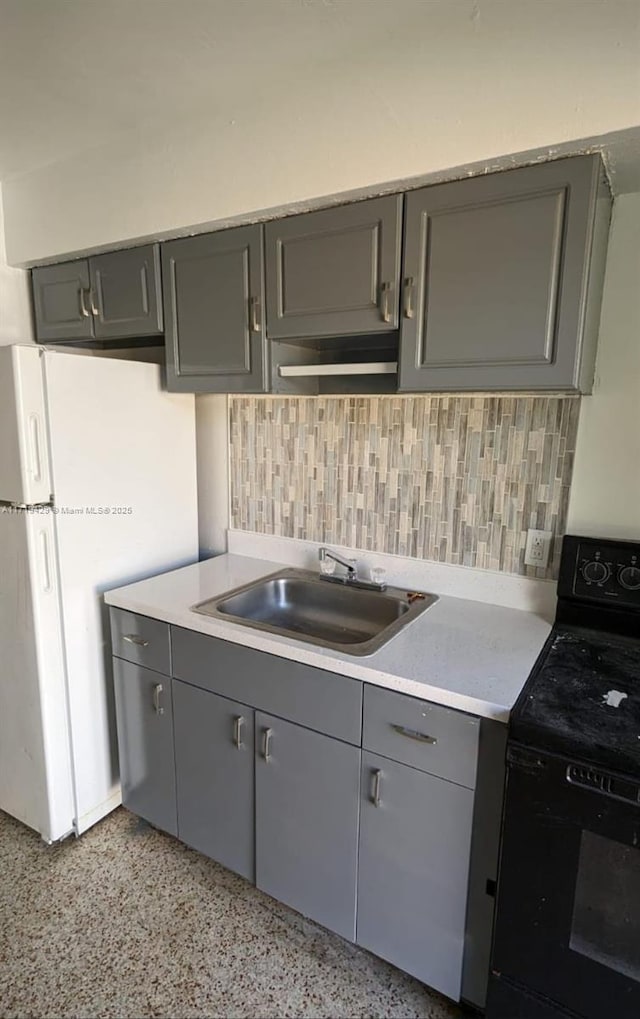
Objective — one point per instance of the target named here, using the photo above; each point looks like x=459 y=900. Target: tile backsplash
x=455 y=479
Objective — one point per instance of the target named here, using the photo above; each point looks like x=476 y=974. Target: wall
x=605 y=494
x=15 y=307
x=212 y=438
x=404 y=91
x=454 y=479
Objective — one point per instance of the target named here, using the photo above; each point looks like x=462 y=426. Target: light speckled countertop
x=465 y=654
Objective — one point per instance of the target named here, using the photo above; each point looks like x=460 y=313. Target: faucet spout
x=350 y=565
x=351 y=575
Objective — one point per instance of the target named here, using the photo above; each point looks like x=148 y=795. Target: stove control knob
x=629 y=577
x=596 y=572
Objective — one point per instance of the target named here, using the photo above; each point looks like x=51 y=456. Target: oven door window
x=606 y=912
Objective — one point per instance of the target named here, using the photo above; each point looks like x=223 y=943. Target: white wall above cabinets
x=605 y=492
x=281 y=102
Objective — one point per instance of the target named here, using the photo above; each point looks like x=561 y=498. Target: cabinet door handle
x=92 y=301
x=385 y=302
x=132 y=638
x=83 y=307
x=266 y=743
x=254 y=305
x=420 y=737
x=238 y=722
x=376 y=776
x=157 y=693
x=407 y=296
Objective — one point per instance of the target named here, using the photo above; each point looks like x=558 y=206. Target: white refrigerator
x=97 y=489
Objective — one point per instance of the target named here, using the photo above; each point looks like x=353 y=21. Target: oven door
x=568 y=908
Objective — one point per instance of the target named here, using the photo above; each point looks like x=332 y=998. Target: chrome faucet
x=350 y=565
x=350 y=577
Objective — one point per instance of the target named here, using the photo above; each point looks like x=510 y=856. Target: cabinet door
x=307 y=791
x=144 y=715
x=415 y=837
x=334 y=272
x=213 y=304
x=215 y=776
x=495 y=275
x=125 y=290
x=61 y=302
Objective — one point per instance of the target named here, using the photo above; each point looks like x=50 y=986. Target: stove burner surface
x=583 y=699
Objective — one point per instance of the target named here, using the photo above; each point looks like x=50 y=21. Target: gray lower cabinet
x=214 y=312
x=502 y=279
x=398 y=855
x=61 y=302
x=106 y=297
x=215 y=776
x=141 y=640
x=335 y=272
x=144 y=713
x=415 y=837
x=307 y=791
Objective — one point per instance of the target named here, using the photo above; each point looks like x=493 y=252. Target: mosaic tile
x=455 y=479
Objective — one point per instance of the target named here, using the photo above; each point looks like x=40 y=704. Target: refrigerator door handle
x=36 y=456
x=45 y=562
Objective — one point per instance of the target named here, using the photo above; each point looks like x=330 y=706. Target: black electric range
x=567 y=934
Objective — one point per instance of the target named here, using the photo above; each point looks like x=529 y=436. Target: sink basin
x=297 y=603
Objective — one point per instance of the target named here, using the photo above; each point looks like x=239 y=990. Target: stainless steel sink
x=297 y=603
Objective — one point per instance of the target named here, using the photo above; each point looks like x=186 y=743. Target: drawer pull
x=266 y=744
x=238 y=722
x=157 y=692
x=420 y=737
x=132 y=638
x=376 y=775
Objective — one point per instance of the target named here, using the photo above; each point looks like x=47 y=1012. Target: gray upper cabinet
x=61 y=302
x=307 y=790
x=415 y=836
x=334 y=272
x=106 y=297
x=502 y=279
x=214 y=321
x=126 y=293
x=144 y=713
x=214 y=776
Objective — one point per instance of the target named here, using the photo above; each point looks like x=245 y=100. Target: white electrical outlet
x=537 y=549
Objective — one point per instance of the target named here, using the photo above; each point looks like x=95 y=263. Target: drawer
x=141 y=640
x=427 y=736
x=320 y=700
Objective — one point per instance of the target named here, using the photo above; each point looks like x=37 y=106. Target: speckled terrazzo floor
x=127 y=922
